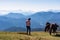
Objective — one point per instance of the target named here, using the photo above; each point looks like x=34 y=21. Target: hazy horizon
x=5 y=12
x=18 y=6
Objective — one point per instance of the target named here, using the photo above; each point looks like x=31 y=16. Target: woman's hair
x=29 y=18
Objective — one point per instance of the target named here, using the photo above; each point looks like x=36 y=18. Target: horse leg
x=50 y=31
x=45 y=29
x=54 y=31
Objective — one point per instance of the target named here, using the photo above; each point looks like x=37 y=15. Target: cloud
x=4 y=12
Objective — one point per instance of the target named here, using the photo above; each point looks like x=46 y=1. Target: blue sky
x=29 y=5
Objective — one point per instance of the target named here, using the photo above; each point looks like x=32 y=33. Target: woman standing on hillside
x=28 y=26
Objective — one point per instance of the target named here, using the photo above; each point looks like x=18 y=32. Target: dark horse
x=51 y=28
x=47 y=27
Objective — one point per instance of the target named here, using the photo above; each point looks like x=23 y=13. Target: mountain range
x=17 y=21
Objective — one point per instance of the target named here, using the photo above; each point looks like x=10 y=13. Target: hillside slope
x=23 y=36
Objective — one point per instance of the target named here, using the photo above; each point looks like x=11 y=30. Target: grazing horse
x=47 y=27
x=53 y=28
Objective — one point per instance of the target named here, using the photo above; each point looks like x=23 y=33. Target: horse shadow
x=57 y=35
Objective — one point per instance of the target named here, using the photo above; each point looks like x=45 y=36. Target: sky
x=28 y=5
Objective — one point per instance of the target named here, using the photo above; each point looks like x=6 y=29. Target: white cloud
x=4 y=12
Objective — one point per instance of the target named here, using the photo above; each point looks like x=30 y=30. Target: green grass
x=23 y=36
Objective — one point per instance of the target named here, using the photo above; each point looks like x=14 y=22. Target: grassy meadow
x=24 y=36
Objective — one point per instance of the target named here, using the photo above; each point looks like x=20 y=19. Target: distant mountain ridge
x=20 y=29
x=15 y=15
x=38 y=20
